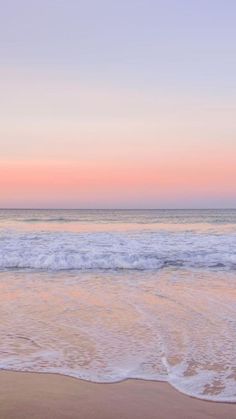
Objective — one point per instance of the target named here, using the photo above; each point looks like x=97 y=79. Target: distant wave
x=49 y=220
x=114 y=251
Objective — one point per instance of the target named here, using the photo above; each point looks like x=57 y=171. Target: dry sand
x=49 y=396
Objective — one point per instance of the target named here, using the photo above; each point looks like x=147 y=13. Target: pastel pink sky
x=116 y=105
x=113 y=183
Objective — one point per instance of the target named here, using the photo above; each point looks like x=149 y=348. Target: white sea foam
x=101 y=251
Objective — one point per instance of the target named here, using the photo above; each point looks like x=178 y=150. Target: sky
x=107 y=104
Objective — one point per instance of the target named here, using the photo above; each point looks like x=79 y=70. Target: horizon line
x=115 y=209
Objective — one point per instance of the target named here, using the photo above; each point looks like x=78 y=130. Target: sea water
x=106 y=295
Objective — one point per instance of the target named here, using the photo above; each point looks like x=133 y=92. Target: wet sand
x=50 y=396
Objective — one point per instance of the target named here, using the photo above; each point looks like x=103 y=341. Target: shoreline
x=105 y=383
x=46 y=395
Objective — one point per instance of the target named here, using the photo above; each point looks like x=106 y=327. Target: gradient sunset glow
x=117 y=104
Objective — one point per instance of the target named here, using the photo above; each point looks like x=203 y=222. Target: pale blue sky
x=188 y=44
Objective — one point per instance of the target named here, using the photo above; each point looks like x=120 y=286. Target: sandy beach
x=46 y=396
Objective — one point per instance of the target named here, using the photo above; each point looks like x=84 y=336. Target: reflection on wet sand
x=171 y=325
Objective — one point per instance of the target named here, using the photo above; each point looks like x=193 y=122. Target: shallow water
x=110 y=295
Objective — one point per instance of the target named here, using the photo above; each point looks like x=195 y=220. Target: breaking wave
x=113 y=251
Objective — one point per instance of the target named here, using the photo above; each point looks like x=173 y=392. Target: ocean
x=107 y=295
